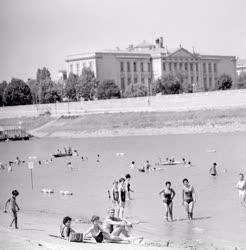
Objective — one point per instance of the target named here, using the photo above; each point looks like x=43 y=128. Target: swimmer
x=241 y=186
x=122 y=197
x=132 y=166
x=98 y=158
x=147 y=166
x=1 y=166
x=184 y=161
x=168 y=195
x=188 y=198
x=213 y=170
x=69 y=164
x=114 y=195
x=128 y=186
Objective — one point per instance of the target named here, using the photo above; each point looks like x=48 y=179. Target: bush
x=224 y=82
x=136 y=90
x=107 y=90
x=17 y=93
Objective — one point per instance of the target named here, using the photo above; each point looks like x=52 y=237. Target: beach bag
x=76 y=237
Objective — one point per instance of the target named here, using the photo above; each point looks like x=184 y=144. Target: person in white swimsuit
x=241 y=186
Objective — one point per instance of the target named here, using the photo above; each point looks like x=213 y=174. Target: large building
x=147 y=62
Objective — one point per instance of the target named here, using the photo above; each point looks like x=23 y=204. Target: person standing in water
x=168 y=195
x=128 y=186
x=14 y=208
x=188 y=198
x=122 y=197
x=115 y=196
x=241 y=186
x=213 y=170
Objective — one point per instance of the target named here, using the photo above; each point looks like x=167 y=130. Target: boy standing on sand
x=14 y=208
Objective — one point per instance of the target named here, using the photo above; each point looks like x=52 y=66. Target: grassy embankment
x=93 y=123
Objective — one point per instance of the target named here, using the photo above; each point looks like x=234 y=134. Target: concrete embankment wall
x=165 y=103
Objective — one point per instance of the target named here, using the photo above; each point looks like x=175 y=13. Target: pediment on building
x=182 y=53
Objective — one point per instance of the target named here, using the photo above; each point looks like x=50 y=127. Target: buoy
x=66 y=192
x=47 y=191
x=120 y=154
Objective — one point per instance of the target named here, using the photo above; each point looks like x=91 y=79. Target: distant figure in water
x=14 y=208
x=1 y=166
x=98 y=158
x=168 y=195
x=241 y=186
x=213 y=170
x=69 y=164
x=184 y=161
x=188 y=198
x=10 y=166
x=39 y=163
x=147 y=166
x=75 y=153
x=132 y=166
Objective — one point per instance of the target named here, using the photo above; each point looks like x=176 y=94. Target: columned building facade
x=145 y=63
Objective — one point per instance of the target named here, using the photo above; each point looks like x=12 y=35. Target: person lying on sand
x=65 y=228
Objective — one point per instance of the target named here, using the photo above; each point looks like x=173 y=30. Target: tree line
x=43 y=89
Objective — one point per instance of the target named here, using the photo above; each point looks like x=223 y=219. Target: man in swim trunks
x=188 y=198
x=168 y=195
x=115 y=226
x=128 y=186
x=241 y=186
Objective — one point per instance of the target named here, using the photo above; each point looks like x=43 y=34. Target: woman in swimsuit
x=122 y=197
x=241 y=186
x=188 y=198
x=115 y=196
x=168 y=195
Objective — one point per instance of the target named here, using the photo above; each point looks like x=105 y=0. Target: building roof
x=144 y=45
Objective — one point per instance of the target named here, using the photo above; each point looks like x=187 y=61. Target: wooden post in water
x=31 y=179
x=30 y=166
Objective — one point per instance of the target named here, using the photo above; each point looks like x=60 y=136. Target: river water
x=219 y=217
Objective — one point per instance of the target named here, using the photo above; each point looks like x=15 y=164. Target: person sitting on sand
x=115 y=226
x=65 y=228
x=213 y=170
x=168 y=195
x=14 y=208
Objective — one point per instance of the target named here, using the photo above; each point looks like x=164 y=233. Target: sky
x=38 y=33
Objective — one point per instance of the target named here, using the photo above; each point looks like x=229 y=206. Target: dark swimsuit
x=116 y=195
x=168 y=198
x=99 y=237
x=128 y=187
x=123 y=195
x=189 y=196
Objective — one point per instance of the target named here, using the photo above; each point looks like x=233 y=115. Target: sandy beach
x=35 y=229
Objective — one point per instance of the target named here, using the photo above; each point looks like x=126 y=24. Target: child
x=128 y=186
x=115 y=196
x=14 y=208
x=96 y=231
x=65 y=228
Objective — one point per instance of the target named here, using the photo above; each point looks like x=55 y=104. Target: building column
x=195 y=77
x=213 y=75
x=200 y=76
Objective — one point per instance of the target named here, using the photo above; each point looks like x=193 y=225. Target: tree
x=168 y=84
x=49 y=92
x=17 y=92
x=136 y=90
x=3 y=85
x=87 y=84
x=108 y=89
x=43 y=74
x=224 y=82
x=70 y=87
x=34 y=87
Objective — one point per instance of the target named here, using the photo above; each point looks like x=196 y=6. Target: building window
x=77 y=68
x=175 y=66
x=215 y=68
x=191 y=79
x=135 y=67
x=186 y=66
x=196 y=67
x=142 y=80
x=71 y=68
x=149 y=80
x=164 y=66
x=205 y=83
x=170 y=66
x=142 y=67
x=121 y=66
x=129 y=80
x=90 y=65
x=204 y=67
x=149 y=67
x=210 y=82
x=122 y=83
x=135 y=79
x=180 y=65
x=128 y=67
x=209 y=68
x=191 y=67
